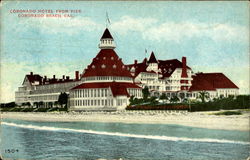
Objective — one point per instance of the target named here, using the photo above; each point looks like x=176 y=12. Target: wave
x=167 y=138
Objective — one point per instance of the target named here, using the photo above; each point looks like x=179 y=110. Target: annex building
x=107 y=83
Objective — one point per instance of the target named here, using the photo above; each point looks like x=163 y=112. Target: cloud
x=127 y=23
x=152 y=29
x=176 y=31
x=61 y=25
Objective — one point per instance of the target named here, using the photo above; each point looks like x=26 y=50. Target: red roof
x=107 y=63
x=139 y=67
x=45 y=81
x=168 y=66
x=117 y=88
x=34 y=77
x=211 y=81
x=152 y=58
x=106 y=34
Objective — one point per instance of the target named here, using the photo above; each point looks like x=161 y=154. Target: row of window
x=55 y=86
x=107 y=41
x=103 y=102
x=135 y=92
x=90 y=93
x=106 y=78
x=41 y=98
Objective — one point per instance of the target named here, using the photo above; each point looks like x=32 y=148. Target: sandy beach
x=195 y=119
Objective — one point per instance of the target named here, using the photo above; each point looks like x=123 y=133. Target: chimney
x=31 y=73
x=67 y=77
x=184 y=68
x=44 y=79
x=135 y=61
x=54 y=76
x=77 y=75
x=63 y=77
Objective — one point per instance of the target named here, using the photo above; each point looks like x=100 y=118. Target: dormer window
x=112 y=58
x=103 y=66
x=93 y=66
x=114 y=66
x=104 y=58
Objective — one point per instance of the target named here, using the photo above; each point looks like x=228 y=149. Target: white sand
x=197 y=119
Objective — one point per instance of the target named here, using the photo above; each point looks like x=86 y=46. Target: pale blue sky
x=214 y=36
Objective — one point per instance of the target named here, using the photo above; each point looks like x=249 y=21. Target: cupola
x=107 y=41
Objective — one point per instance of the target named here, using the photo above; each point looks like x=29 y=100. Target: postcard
x=124 y=80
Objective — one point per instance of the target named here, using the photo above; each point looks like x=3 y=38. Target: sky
x=214 y=36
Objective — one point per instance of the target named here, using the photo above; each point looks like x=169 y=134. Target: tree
x=185 y=100
x=145 y=93
x=203 y=95
x=63 y=99
x=132 y=100
x=28 y=104
x=56 y=103
x=35 y=104
x=153 y=100
x=40 y=103
x=163 y=97
x=50 y=104
x=174 y=99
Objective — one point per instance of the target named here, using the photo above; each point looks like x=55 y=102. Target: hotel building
x=107 y=83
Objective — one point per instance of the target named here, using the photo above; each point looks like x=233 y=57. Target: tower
x=107 y=82
x=152 y=63
x=107 y=41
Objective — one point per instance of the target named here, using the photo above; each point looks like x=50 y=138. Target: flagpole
x=107 y=19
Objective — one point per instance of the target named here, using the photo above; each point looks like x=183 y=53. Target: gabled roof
x=106 y=34
x=168 y=66
x=211 y=81
x=107 y=63
x=139 y=67
x=152 y=58
x=117 y=88
x=34 y=77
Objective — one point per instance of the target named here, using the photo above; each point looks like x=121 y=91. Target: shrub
x=240 y=102
x=229 y=113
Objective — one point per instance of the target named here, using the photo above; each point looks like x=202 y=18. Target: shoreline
x=193 y=119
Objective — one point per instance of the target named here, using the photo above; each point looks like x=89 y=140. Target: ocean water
x=96 y=140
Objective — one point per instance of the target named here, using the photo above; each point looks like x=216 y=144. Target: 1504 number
x=11 y=150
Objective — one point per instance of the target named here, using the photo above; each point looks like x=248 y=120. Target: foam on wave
x=167 y=138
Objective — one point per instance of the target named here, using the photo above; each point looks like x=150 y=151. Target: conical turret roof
x=107 y=34
x=152 y=58
x=107 y=63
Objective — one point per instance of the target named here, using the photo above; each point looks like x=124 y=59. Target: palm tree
x=203 y=95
